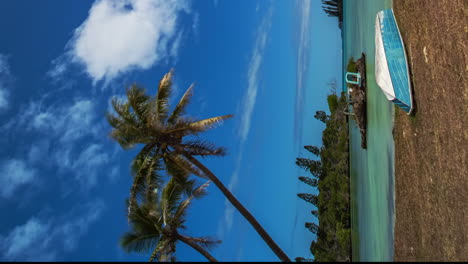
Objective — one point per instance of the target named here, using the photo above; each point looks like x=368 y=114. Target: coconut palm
x=173 y=138
x=146 y=179
x=155 y=224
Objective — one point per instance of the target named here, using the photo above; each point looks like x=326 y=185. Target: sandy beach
x=431 y=161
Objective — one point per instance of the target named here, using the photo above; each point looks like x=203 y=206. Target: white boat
x=391 y=66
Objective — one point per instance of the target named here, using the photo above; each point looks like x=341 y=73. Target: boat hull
x=391 y=71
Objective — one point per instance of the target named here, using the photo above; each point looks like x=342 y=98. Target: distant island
x=329 y=175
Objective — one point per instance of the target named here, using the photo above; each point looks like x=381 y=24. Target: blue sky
x=64 y=182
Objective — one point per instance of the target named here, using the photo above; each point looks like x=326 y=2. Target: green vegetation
x=155 y=223
x=351 y=65
x=330 y=176
x=171 y=143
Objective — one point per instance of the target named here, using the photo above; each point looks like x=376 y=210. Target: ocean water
x=372 y=170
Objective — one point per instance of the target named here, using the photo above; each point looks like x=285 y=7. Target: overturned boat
x=391 y=66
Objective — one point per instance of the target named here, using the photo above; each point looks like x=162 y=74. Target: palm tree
x=173 y=137
x=146 y=180
x=155 y=224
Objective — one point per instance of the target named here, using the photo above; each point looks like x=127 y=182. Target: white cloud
x=303 y=51
x=22 y=238
x=114 y=174
x=68 y=123
x=229 y=208
x=3 y=98
x=119 y=36
x=248 y=103
x=247 y=107
x=71 y=139
x=37 y=150
x=173 y=51
x=5 y=78
x=3 y=63
x=88 y=163
x=45 y=239
x=226 y=223
x=196 y=23
x=14 y=173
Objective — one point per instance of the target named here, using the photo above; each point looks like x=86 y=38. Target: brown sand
x=431 y=147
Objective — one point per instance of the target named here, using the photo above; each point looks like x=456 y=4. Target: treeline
x=334 y=8
x=329 y=175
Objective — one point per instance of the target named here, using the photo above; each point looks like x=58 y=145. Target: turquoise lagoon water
x=372 y=177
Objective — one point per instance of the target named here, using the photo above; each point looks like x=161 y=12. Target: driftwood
x=358 y=100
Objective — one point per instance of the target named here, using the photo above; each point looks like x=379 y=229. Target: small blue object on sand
x=356 y=75
x=391 y=66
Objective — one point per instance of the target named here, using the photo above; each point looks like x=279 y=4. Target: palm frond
x=162 y=98
x=173 y=169
x=160 y=249
x=180 y=108
x=186 y=165
x=205 y=242
x=188 y=185
x=202 y=148
x=127 y=130
x=145 y=219
x=179 y=215
x=145 y=170
x=138 y=100
x=123 y=110
x=200 y=191
x=165 y=248
x=154 y=255
x=136 y=242
x=153 y=178
x=170 y=199
x=207 y=124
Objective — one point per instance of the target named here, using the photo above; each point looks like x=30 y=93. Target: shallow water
x=372 y=177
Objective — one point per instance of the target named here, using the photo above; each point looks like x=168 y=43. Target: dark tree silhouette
x=334 y=8
x=314 y=213
x=310 y=198
x=314 y=150
x=312 y=227
x=309 y=181
x=314 y=166
x=322 y=116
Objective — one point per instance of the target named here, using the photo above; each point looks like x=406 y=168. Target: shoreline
x=431 y=188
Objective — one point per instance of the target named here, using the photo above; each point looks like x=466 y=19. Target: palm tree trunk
x=247 y=215
x=197 y=247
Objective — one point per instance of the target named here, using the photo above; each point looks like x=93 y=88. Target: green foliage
x=309 y=181
x=312 y=227
x=154 y=224
x=314 y=166
x=314 y=150
x=321 y=116
x=314 y=213
x=332 y=102
x=351 y=65
x=333 y=240
x=310 y=198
